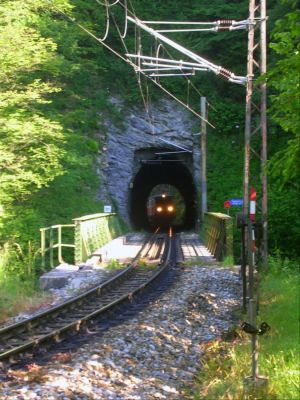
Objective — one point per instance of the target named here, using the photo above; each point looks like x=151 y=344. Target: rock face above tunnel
x=165 y=126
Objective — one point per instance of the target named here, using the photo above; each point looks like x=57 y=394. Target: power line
x=128 y=61
x=202 y=62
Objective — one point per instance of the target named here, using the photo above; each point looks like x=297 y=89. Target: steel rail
x=73 y=314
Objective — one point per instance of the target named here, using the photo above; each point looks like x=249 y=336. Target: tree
x=31 y=142
x=284 y=80
x=49 y=109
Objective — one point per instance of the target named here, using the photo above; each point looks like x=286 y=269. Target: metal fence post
x=78 y=243
x=250 y=260
x=254 y=342
x=59 y=242
x=43 y=247
x=51 y=242
x=243 y=268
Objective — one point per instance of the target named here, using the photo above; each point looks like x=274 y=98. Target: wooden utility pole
x=203 y=158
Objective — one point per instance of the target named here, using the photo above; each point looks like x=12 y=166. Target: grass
x=197 y=261
x=142 y=263
x=225 y=365
x=200 y=262
x=18 y=284
x=17 y=296
x=147 y=264
x=113 y=265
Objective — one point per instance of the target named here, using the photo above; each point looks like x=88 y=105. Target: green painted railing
x=51 y=238
x=92 y=232
x=217 y=235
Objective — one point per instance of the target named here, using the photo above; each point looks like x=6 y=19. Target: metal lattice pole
x=257 y=12
x=263 y=111
x=249 y=93
x=203 y=158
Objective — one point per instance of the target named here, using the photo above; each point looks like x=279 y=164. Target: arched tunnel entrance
x=170 y=170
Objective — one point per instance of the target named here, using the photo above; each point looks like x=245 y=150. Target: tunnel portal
x=156 y=167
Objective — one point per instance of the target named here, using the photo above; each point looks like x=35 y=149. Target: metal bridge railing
x=92 y=232
x=216 y=234
x=51 y=238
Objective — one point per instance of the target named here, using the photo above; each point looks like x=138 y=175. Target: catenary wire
x=138 y=79
x=129 y=62
x=161 y=45
x=107 y=4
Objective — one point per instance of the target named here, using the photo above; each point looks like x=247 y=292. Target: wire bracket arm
x=224 y=73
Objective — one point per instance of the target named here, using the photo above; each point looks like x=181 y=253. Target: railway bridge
x=152 y=147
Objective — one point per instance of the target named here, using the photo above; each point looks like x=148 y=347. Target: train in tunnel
x=161 y=210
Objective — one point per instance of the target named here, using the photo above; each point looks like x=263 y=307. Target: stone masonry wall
x=140 y=130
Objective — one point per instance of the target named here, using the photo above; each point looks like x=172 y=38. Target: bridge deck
x=192 y=248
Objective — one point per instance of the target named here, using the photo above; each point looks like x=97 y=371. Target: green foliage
x=225 y=181
x=284 y=166
x=30 y=149
x=27 y=259
x=17 y=261
x=18 y=292
x=228 y=261
x=284 y=224
x=225 y=166
x=284 y=79
x=225 y=365
x=51 y=94
x=114 y=265
x=279 y=265
x=144 y=263
x=55 y=80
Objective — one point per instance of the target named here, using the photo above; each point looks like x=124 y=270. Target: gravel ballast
x=153 y=355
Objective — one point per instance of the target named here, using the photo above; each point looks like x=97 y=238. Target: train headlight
x=170 y=208
x=159 y=209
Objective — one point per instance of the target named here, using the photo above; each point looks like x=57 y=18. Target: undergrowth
x=18 y=285
x=17 y=296
x=225 y=365
x=114 y=264
x=200 y=262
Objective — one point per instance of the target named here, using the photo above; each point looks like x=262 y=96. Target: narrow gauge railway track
x=73 y=314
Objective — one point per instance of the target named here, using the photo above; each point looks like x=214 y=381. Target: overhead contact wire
x=94 y=36
x=173 y=96
x=128 y=61
x=190 y=82
x=156 y=81
x=126 y=49
x=107 y=4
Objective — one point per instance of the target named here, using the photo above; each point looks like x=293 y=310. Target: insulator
x=225 y=73
x=223 y=28
x=225 y=22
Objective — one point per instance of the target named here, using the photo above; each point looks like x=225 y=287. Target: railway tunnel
x=157 y=167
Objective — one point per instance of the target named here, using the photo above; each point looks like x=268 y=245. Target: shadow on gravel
x=114 y=317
